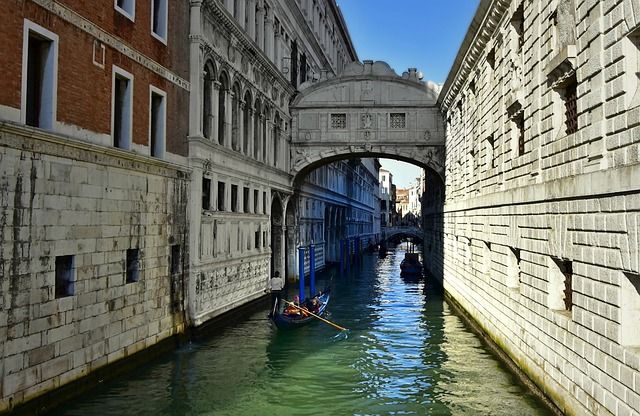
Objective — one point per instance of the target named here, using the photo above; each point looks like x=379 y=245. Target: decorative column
x=251 y=19
x=260 y=25
x=266 y=141
x=258 y=138
x=241 y=125
x=269 y=34
x=228 y=108
x=240 y=13
x=276 y=146
x=195 y=73
x=214 y=110
x=277 y=55
x=249 y=150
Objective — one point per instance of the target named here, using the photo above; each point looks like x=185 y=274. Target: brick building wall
x=85 y=74
x=539 y=238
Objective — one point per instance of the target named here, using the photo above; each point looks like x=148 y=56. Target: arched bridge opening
x=367 y=112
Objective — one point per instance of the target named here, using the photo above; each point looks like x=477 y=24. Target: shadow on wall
x=433 y=226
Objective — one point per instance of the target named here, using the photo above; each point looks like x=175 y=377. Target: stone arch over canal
x=367 y=111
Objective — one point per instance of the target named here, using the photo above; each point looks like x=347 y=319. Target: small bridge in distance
x=402 y=232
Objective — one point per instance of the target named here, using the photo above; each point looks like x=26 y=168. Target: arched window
x=247 y=125
x=207 y=100
x=222 y=98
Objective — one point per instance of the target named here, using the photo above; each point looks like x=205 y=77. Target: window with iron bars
x=338 y=121
x=397 y=120
x=571 y=107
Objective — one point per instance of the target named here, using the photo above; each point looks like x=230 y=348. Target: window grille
x=398 y=120
x=571 y=108
x=338 y=121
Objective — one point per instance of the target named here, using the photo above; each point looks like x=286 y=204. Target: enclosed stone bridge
x=367 y=111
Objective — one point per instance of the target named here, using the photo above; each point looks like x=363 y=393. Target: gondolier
x=275 y=286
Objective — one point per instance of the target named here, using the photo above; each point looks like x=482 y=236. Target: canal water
x=405 y=353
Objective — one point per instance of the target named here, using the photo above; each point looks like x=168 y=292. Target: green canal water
x=406 y=353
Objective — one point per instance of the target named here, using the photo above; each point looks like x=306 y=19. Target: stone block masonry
x=538 y=240
x=58 y=198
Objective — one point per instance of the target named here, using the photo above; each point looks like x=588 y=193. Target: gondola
x=284 y=320
x=411 y=264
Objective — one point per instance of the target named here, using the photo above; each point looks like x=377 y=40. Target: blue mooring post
x=301 y=272
x=341 y=254
x=348 y=253
x=312 y=271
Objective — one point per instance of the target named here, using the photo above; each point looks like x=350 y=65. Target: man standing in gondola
x=275 y=285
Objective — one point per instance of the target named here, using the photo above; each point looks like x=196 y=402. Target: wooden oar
x=315 y=316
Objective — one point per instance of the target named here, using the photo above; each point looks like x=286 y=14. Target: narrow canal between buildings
x=406 y=354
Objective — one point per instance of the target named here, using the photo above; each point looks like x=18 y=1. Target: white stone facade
x=539 y=238
x=246 y=63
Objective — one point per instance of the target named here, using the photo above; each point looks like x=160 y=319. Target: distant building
x=386 y=200
x=402 y=204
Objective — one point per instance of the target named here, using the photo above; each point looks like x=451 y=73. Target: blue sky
x=424 y=34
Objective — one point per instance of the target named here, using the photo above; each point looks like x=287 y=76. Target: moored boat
x=411 y=264
x=286 y=317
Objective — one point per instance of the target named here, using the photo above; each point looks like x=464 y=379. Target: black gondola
x=284 y=318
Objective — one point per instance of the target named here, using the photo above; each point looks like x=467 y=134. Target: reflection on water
x=405 y=354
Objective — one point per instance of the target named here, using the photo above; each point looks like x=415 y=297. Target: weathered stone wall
x=60 y=197
x=539 y=239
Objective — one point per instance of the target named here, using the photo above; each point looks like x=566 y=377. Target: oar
x=315 y=316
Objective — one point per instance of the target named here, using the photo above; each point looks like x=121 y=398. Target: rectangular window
x=397 y=120
x=234 y=198
x=571 y=106
x=490 y=152
x=338 y=121
x=486 y=258
x=221 y=192
x=264 y=202
x=629 y=310
x=518 y=126
x=245 y=199
x=256 y=197
x=175 y=259
x=39 y=76
x=513 y=268
x=159 y=20
x=560 y=284
x=133 y=265
x=127 y=8
x=206 y=193
x=491 y=59
x=122 y=108
x=256 y=239
x=65 y=276
x=157 y=122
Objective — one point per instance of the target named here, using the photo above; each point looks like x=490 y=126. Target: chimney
x=368 y=64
